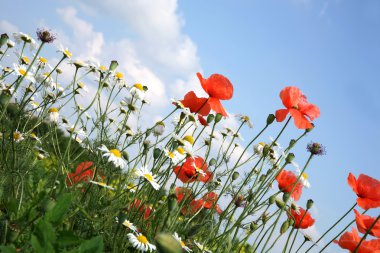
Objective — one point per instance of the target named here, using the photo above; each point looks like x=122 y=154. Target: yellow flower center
x=305 y=176
x=119 y=75
x=181 y=151
x=67 y=53
x=171 y=155
x=182 y=243
x=142 y=239
x=53 y=110
x=189 y=139
x=25 y=59
x=16 y=136
x=127 y=224
x=103 y=68
x=43 y=60
x=116 y=153
x=22 y=72
x=149 y=177
x=138 y=86
x=262 y=144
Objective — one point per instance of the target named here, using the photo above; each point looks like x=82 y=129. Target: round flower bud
x=166 y=243
x=235 y=175
x=292 y=143
x=279 y=203
x=270 y=119
x=212 y=162
x=113 y=65
x=285 y=197
x=156 y=153
x=125 y=155
x=309 y=204
x=3 y=39
x=253 y=226
x=218 y=117
x=289 y=158
x=271 y=200
x=284 y=226
x=210 y=118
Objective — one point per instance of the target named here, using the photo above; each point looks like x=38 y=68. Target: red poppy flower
x=286 y=180
x=182 y=192
x=364 y=222
x=367 y=189
x=301 y=220
x=349 y=240
x=210 y=201
x=145 y=209
x=82 y=173
x=195 y=104
x=299 y=108
x=218 y=87
x=193 y=207
x=194 y=168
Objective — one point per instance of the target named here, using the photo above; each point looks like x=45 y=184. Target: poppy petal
x=281 y=115
x=290 y=96
x=195 y=104
x=217 y=86
x=217 y=106
x=351 y=180
x=300 y=120
x=310 y=110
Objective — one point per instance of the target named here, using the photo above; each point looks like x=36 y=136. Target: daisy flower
x=102 y=185
x=34 y=137
x=114 y=156
x=184 y=247
x=159 y=128
x=53 y=114
x=65 y=51
x=140 y=242
x=259 y=147
x=202 y=247
x=188 y=142
x=304 y=179
x=177 y=155
x=25 y=38
x=143 y=172
x=21 y=71
x=17 y=136
x=129 y=225
x=137 y=90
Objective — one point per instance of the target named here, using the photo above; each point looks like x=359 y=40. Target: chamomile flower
x=129 y=225
x=53 y=114
x=177 y=155
x=184 y=247
x=143 y=172
x=43 y=62
x=114 y=156
x=21 y=72
x=65 y=51
x=188 y=142
x=18 y=136
x=159 y=128
x=137 y=90
x=293 y=205
x=101 y=184
x=304 y=179
x=45 y=79
x=25 y=38
x=140 y=242
x=34 y=137
x=201 y=247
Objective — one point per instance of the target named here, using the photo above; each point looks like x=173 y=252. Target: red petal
x=281 y=114
x=310 y=110
x=217 y=106
x=217 y=86
x=351 y=180
x=290 y=96
x=300 y=120
x=195 y=104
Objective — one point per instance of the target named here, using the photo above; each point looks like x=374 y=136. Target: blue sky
x=330 y=49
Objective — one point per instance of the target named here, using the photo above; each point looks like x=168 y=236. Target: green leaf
x=67 y=238
x=56 y=215
x=43 y=237
x=8 y=249
x=94 y=245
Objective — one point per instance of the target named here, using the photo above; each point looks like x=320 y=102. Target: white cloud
x=7 y=27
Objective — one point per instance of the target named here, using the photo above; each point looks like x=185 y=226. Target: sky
x=330 y=49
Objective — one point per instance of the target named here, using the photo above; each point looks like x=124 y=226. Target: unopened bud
x=270 y=119
x=285 y=197
x=125 y=155
x=309 y=204
x=271 y=200
x=266 y=150
x=289 y=158
x=3 y=39
x=292 y=143
x=253 y=226
x=212 y=162
x=166 y=243
x=235 y=175
x=279 y=203
x=218 y=117
x=113 y=65
x=156 y=153
x=284 y=227
x=210 y=118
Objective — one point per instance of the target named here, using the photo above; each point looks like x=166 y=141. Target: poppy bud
x=210 y=118
x=113 y=65
x=284 y=227
x=289 y=158
x=156 y=153
x=146 y=144
x=166 y=243
x=126 y=155
x=218 y=118
x=235 y=175
x=271 y=200
x=285 y=197
x=253 y=226
x=270 y=119
x=264 y=218
x=309 y=204
x=292 y=143
x=212 y=162
x=279 y=203
x=262 y=178
x=3 y=39
x=291 y=222
x=59 y=71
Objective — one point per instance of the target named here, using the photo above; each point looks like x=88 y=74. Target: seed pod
x=284 y=226
x=270 y=119
x=218 y=118
x=289 y=158
x=285 y=197
x=235 y=175
x=280 y=203
x=210 y=118
x=309 y=204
